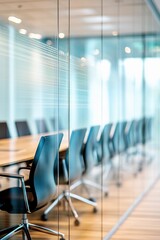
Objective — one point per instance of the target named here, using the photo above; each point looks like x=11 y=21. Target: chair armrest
x=29 y=163
x=21 y=179
x=11 y=175
x=25 y=168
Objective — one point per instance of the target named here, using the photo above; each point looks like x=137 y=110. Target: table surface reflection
x=22 y=149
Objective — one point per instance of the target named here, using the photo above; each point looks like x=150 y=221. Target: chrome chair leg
x=82 y=183
x=73 y=210
x=13 y=232
x=82 y=199
x=59 y=198
x=95 y=185
x=25 y=226
x=85 y=182
x=46 y=230
x=26 y=234
x=7 y=230
x=67 y=196
x=76 y=184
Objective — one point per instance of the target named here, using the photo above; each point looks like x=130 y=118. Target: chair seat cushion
x=12 y=200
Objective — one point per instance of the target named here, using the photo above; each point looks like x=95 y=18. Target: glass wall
x=90 y=70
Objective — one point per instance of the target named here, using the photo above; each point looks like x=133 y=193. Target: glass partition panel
x=90 y=70
x=29 y=105
x=139 y=169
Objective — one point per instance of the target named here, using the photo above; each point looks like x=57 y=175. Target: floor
x=144 y=222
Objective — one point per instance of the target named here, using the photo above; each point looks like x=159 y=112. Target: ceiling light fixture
x=22 y=31
x=98 y=26
x=82 y=11
x=127 y=50
x=61 y=35
x=96 y=19
x=35 y=35
x=14 y=19
x=115 y=33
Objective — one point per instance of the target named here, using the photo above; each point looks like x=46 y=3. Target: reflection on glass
x=71 y=65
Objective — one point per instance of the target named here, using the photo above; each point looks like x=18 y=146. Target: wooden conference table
x=22 y=149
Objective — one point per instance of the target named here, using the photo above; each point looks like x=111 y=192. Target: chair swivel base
x=85 y=183
x=25 y=226
x=66 y=195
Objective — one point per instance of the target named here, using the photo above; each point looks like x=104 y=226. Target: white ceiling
x=40 y=16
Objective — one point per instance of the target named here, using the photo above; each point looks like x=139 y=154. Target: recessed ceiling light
x=127 y=50
x=96 y=19
x=61 y=35
x=22 y=31
x=35 y=35
x=115 y=33
x=14 y=19
x=99 y=26
x=79 y=11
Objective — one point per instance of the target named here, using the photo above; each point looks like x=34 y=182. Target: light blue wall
x=37 y=81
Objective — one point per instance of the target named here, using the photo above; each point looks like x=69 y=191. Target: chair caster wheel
x=92 y=199
x=95 y=210
x=44 y=217
x=76 y=222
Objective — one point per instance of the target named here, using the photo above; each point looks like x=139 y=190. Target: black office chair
x=146 y=130
x=41 y=189
x=4 y=130
x=129 y=135
x=104 y=152
x=75 y=166
x=134 y=141
x=91 y=160
x=22 y=128
x=143 y=136
x=41 y=126
x=119 y=147
x=139 y=144
x=119 y=144
x=149 y=128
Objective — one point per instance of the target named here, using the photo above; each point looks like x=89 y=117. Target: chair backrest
x=41 y=126
x=41 y=177
x=133 y=136
x=74 y=158
x=139 y=131
x=119 y=137
x=130 y=134
x=22 y=128
x=146 y=129
x=91 y=148
x=149 y=128
x=103 y=147
x=4 y=130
